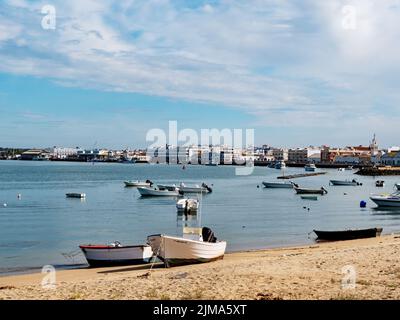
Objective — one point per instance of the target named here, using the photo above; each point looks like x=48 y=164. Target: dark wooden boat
x=321 y=191
x=348 y=234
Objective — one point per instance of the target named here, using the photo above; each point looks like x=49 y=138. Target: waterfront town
x=361 y=155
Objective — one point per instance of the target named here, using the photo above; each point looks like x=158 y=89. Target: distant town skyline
x=298 y=73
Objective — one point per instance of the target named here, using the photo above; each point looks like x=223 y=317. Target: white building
x=63 y=153
x=304 y=155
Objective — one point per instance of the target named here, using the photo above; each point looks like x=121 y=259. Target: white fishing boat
x=187 y=205
x=76 y=195
x=310 y=167
x=137 y=183
x=380 y=183
x=158 y=191
x=195 y=188
x=353 y=182
x=387 y=200
x=116 y=254
x=280 y=165
x=280 y=185
x=198 y=245
x=349 y=168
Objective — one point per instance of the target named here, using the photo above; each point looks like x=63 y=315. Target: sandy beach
x=307 y=272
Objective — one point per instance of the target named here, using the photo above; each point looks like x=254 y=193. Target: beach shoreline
x=315 y=271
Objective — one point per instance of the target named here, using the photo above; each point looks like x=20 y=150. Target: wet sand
x=357 y=269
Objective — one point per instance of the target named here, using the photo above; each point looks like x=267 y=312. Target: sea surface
x=43 y=227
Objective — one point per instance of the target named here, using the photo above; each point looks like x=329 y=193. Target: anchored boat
x=195 y=189
x=187 y=205
x=310 y=167
x=76 y=195
x=138 y=183
x=387 y=200
x=198 y=245
x=321 y=191
x=353 y=182
x=281 y=185
x=159 y=191
x=348 y=234
x=116 y=254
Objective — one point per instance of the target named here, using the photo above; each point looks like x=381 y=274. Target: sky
x=297 y=72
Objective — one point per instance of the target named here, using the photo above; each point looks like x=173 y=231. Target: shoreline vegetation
x=318 y=271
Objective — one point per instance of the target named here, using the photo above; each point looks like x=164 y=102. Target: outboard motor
x=149 y=181
x=208 y=235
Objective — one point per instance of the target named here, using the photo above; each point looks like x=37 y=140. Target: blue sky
x=112 y=70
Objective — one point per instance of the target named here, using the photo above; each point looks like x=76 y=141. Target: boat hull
x=102 y=256
x=386 y=202
x=343 y=183
x=310 y=191
x=277 y=185
x=348 y=234
x=136 y=184
x=149 y=192
x=179 y=251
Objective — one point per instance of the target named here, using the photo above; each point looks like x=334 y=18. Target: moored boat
x=387 y=200
x=310 y=167
x=115 y=254
x=75 y=195
x=187 y=205
x=397 y=186
x=195 y=188
x=379 y=183
x=348 y=234
x=281 y=185
x=137 y=183
x=280 y=165
x=158 y=191
x=320 y=191
x=198 y=245
x=353 y=182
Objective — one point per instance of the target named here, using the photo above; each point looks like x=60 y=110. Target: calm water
x=43 y=225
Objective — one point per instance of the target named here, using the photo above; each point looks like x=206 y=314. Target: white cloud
x=274 y=59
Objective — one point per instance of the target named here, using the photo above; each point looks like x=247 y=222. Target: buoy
x=5 y=205
x=19 y=196
x=363 y=204
x=258 y=186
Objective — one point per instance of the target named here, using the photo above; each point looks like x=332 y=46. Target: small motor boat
x=198 y=245
x=187 y=205
x=310 y=167
x=195 y=189
x=76 y=195
x=379 y=183
x=157 y=191
x=116 y=254
x=353 y=182
x=321 y=191
x=280 y=185
x=138 y=183
x=348 y=234
x=387 y=200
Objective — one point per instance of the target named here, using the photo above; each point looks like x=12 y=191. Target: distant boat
x=320 y=191
x=280 y=185
x=380 y=183
x=158 y=191
x=198 y=245
x=138 y=183
x=195 y=188
x=349 y=168
x=397 y=185
x=314 y=198
x=76 y=195
x=187 y=205
x=348 y=234
x=116 y=254
x=341 y=169
x=280 y=165
x=389 y=200
x=344 y=182
x=310 y=167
